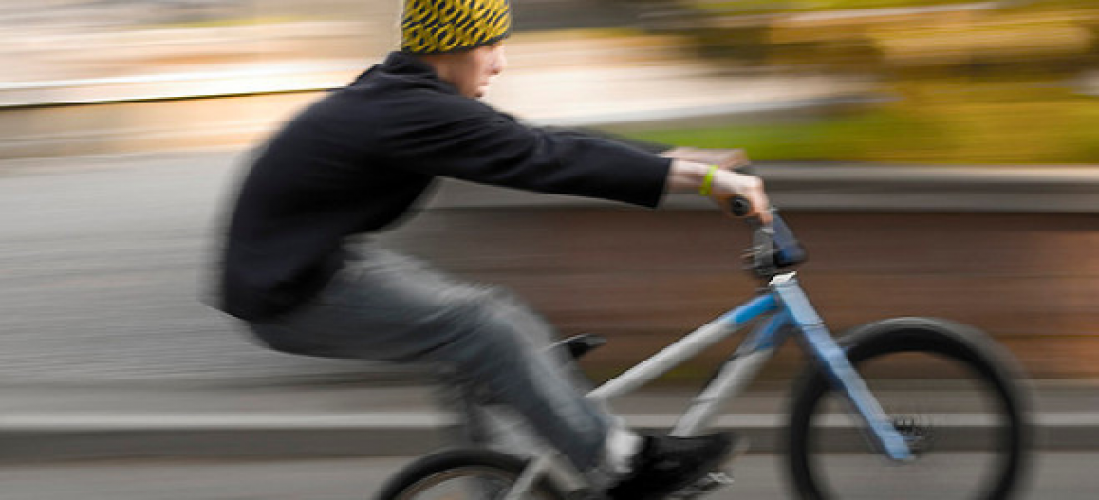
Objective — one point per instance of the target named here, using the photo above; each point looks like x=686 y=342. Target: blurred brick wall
x=643 y=279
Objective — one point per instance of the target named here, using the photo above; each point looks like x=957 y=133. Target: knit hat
x=438 y=26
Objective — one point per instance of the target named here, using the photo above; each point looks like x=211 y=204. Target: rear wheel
x=464 y=475
x=946 y=388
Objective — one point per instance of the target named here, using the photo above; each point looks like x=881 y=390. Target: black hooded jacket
x=358 y=159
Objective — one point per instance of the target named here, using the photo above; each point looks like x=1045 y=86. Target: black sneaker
x=667 y=464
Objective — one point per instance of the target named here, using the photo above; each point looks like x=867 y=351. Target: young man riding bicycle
x=356 y=161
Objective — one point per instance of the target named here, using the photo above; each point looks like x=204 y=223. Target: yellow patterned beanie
x=439 y=26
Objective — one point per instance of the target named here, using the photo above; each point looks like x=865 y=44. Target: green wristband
x=707 y=186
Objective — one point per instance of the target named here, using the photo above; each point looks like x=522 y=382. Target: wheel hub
x=917 y=433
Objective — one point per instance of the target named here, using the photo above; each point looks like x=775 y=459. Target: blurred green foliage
x=987 y=85
x=940 y=121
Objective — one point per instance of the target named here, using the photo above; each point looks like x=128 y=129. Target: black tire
x=953 y=352
x=472 y=468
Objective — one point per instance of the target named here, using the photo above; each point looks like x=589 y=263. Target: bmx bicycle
x=867 y=417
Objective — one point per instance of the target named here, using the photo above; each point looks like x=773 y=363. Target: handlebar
x=774 y=246
x=740 y=206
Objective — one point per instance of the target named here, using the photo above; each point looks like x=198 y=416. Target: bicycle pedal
x=708 y=483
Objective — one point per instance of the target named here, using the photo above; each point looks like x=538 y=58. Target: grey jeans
x=384 y=306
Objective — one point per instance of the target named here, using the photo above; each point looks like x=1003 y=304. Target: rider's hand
x=688 y=176
x=728 y=184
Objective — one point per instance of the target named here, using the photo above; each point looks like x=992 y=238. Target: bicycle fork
x=843 y=376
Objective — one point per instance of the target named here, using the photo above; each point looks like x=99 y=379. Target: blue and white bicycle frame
x=790 y=314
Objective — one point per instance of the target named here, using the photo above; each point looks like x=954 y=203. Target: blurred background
x=886 y=80
x=937 y=158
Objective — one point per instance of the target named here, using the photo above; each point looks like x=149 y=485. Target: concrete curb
x=50 y=423
x=69 y=437
x=238 y=80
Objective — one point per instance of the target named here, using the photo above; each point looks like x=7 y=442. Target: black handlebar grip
x=740 y=206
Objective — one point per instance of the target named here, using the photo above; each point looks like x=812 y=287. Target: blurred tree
x=966 y=37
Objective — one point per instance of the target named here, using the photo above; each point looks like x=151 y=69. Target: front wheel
x=947 y=389
x=465 y=474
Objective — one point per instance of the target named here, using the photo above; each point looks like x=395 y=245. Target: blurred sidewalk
x=582 y=68
x=57 y=422
x=182 y=75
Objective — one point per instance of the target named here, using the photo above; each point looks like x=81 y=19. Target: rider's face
x=471 y=71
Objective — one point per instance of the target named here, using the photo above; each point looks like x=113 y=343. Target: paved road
x=1063 y=476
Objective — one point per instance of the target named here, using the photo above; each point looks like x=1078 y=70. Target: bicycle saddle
x=576 y=347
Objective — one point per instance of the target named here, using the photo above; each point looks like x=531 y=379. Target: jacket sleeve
x=465 y=139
